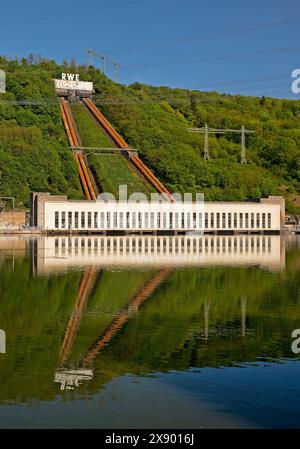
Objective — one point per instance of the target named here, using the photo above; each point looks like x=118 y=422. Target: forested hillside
x=34 y=152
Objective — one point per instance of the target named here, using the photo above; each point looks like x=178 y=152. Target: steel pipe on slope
x=74 y=142
x=105 y=123
x=70 y=122
x=66 y=124
x=151 y=175
x=87 y=176
x=120 y=142
x=135 y=161
x=82 y=178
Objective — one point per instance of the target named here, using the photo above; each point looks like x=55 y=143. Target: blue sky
x=247 y=47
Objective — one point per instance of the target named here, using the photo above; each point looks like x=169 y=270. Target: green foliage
x=33 y=147
x=89 y=131
x=155 y=121
x=112 y=170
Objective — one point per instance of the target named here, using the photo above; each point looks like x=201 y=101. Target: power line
x=247 y=80
x=237 y=31
x=206 y=131
x=215 y=58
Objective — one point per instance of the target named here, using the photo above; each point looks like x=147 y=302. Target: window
x=235 y=225
x=63 y=220
x=158 y=220
x=108 y=220
x=127 y=220
x=212 y=220
x=247 y=220
x=70 y=220
x=121 y=220
x=194 y=220
x=146 y=217
x=115 y=225
x=176 y=220
x=56 y=224
x=269 y=221
x=223 y=220
x=76 y=221
x=206 y=220
x=218 y=220
x=164 y=220
x=140 y=220
x=152 y=220
x=252 y=220
x=200 y=220
x=82 y=219
x=263 y=221
x=182 y=220
x=171 y=220
x=241 y=220
x=258 y=220
x=133 y=219
x=188 y=220
x=102 y=219
x=95 y=219
x=229 y=221
x=89 y=220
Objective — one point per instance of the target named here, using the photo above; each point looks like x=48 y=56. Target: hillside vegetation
x=34 y=151
x=112 y=169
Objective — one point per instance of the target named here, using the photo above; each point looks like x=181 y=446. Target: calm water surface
x=162 y=332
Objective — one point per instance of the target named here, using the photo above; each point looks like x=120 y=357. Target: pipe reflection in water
x=70 y=378
x=73 y=377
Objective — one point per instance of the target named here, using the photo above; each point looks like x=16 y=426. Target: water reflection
x=62 y=253
x=79 y=312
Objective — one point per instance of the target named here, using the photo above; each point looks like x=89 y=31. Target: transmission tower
x=90 y=56
x=206 y=145
x=243 y=148
x=206 y=131
x=116 y=70
x=102 y=61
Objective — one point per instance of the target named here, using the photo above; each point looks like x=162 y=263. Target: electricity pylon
x=102 y=61
x=116 y=70
x=100 y=56
x=90 y=56
x=206 y=131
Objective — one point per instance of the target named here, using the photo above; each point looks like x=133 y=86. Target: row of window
x=164 y=220
x=157 y=244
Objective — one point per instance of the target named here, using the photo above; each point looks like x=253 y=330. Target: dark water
x=138 y=332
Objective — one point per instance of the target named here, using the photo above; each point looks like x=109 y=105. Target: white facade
x=152 y=217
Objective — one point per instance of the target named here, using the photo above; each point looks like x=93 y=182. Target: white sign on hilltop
x=70 y=81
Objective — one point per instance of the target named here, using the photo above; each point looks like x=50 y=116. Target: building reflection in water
x=53 y=254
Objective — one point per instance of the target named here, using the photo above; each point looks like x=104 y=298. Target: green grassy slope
x=155 y=121
x=90 y=133
x=111 y=170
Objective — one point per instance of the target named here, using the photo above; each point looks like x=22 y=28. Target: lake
x=149 y=332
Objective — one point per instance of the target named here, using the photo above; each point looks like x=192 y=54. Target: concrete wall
x=12 y=219
x=37 y=206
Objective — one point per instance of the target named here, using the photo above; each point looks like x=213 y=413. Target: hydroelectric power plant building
x=57 y=213
x=52 y=213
